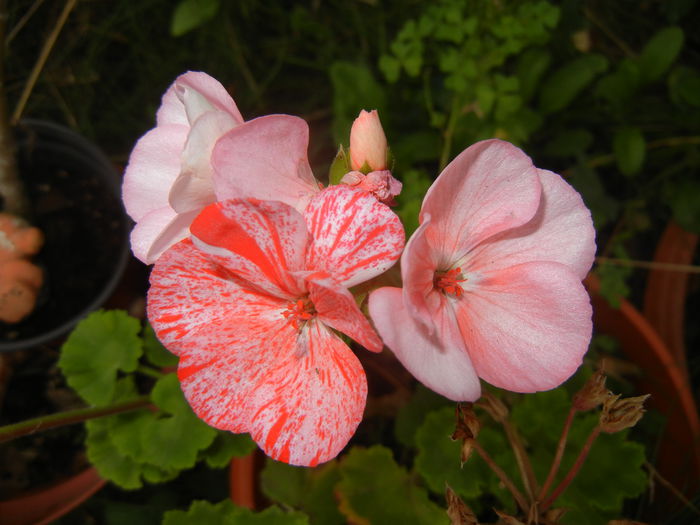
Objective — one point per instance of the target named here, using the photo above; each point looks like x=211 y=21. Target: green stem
x=449 y=133
x=573 y=471
x=559 y=454
x=148 y=371
x=69 y=417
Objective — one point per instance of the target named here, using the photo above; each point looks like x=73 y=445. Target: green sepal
x=339 y=167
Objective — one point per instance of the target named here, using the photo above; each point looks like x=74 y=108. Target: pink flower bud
x=367 y=142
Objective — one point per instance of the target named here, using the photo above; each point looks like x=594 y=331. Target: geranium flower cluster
x=254 y=261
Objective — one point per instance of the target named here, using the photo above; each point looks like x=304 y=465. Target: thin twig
x=561 y=446
x=612 y=36
x=517 y=495
x=23 y=21
x=69 y=417
x=522 y=458
x=666 y=483
x=573 y=471
x=41 y=60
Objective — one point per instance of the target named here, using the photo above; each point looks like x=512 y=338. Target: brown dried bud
x=466 y=429
x=592 y=394
x=494 y=406
x=458 y=511
x=505 y=519
x=619 y=414
x=554 y=515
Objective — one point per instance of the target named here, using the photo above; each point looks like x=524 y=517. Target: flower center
x=299 y=311
x=448 y=282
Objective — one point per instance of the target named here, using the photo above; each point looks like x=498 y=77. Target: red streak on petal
x=274 y=433
x=185 y=372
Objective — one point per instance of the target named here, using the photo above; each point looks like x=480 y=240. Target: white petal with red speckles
x=226 y=335
x=308 y=406
x=337 y=308
x=355 y=237
x=259 y=241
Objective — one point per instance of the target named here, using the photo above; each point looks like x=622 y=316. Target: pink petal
x=440 y=361
x=192 y=94
x=368 y=142
x=153 y=166
x=158 y=231
x=561 y=231
x=260 y=241
x=227 y=336
x=355 y=237
x=337 y=308
x=266 y=158
x=309 y=404
x=193 y=187
x=526 y=327
x=418 y=266
x=490 y=187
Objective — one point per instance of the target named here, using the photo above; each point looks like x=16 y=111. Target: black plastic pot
x=75 y=195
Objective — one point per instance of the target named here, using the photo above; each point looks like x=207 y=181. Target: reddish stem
x=517 y=495
x=573 y=471
x=558 y=455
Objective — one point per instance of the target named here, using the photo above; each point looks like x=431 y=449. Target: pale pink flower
x=171 y=173
x=381 y=184
x=168 y=178
x=492 y=279
x=368 y=143
x=250 y=303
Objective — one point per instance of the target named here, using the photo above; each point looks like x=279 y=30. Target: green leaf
x=374 y=489
x=412 y=414
x=604 y=208
x=354 y=89
x=684 y=86
x=101 y=345
x=174 y=439
x=225 y=447
x=391 y=68
x=684 y=199
x=531 y=66
x=226 y=513
x=570 y=143
x=629 y=147
x=562 y=86
x=154 y=350
x=659 y=53
x=190 y=14
x=339 y=167
x=438 y=459
x=620 y=86
x=415 y=184
x=309 y=490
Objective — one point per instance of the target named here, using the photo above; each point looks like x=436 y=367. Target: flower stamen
x=299 y=311
x=448 y=282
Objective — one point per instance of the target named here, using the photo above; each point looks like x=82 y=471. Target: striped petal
x=337 y=308
x=259 y=241
x=227 y=336
x=355 y=237
x=310 y=403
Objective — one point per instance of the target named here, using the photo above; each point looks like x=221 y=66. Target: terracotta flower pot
x=678 y=454
x=46 y=505
x=74 y=193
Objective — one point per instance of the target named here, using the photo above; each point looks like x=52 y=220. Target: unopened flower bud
x=592 y=394
x=458 y=511
x=368 y=146
x=467 y=429
x=381 y=184
x=619 y=414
